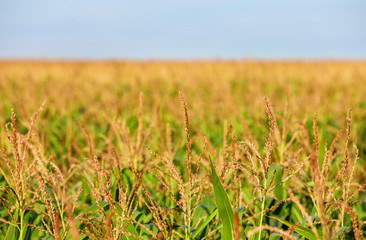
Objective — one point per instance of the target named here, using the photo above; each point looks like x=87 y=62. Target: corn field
x=183 y=150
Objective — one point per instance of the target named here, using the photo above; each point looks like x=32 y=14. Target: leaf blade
x=204 y=224
x=305 y=232
x=222 y=201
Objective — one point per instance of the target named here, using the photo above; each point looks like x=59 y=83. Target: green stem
x=171 y=203
x=60 y=209
x=342 y=216
x=262 y=208
x=21 y=212
x=189 y=212
x=282 y=152
x=21 y=223
x=262 y=214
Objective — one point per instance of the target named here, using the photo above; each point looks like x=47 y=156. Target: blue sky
x=182 y=29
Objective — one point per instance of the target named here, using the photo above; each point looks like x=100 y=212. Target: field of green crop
x=183 y=150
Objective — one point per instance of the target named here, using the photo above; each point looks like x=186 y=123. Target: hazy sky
x=183 y=29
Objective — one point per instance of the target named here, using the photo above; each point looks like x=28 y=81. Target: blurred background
x=189 y=29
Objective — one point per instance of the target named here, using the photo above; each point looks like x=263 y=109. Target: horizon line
x=154 y=59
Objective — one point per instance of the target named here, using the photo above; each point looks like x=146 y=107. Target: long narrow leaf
x=222 y=201
x=132 y=230
x=204 y=224
x=305 y=232
x=12 y=232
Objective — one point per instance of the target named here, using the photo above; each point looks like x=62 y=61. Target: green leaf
x=205 y=222
x=204 y=208
x=130 y=229
x=275 y=236
x=29 y=218
x=222 y=201
x=95 y=206
x=151 y=227
x=279 y=192
x=12 y=232
x=341 y=229
x=305 y=232
x=295 y=214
